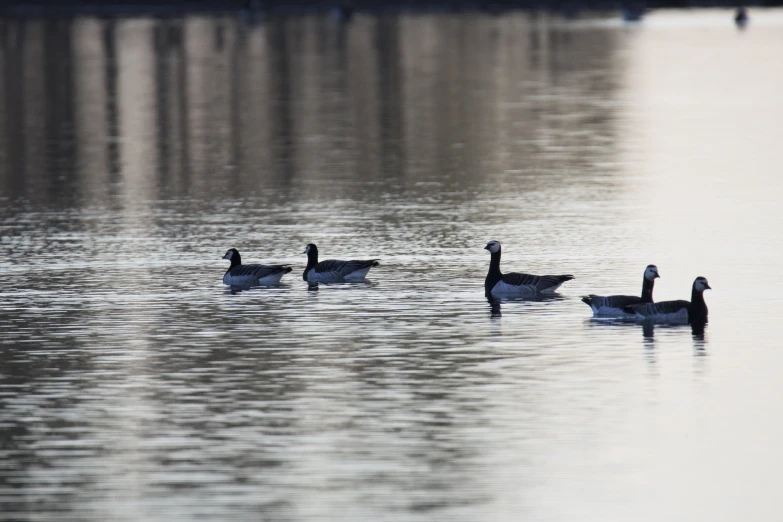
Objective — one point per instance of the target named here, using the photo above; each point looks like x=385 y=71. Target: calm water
x=134 y=152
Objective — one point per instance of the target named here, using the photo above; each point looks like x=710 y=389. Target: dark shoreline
x=175 y=7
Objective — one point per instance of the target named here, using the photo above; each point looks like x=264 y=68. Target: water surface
x=135 y=151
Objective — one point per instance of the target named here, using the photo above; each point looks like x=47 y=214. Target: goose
x=693 y=311
x=741 y=16
x=334 y=270
x=498 y=283
x=251 y=275
x=612 y=306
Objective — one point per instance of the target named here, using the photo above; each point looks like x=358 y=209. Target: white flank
x=608 y=311
x=357 y=275
x=502 y=288
x=680 y=317
x=271 y=279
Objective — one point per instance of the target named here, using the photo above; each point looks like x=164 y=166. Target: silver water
x=134 y=152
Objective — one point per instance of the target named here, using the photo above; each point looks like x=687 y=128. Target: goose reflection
x=238 y=289
x=494 y=306
x=697 y=328
x=495 y=302
x=609 y=323
x=648 y=330
x=313 y=286
x=697 y=332
x=649 y=326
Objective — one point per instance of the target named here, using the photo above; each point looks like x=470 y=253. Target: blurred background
x=139 y=141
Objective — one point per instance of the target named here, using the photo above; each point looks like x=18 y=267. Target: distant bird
x=612 y=306
x=741 y=16
x=251 y=275
x=500 y=284
x=676 y=312
x=334 y=270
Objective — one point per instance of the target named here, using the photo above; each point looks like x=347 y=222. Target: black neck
x=312 y=260
x=647 y=290
x=494 y=274
x=236 y=260
x=697 y=313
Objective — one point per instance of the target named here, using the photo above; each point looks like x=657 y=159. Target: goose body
x=515 y=284
x=251 y=275
x=676 y=312
x=334 y=270
x=613 y=305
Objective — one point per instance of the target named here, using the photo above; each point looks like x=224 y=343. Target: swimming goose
x=251 y=275
x=612 y=306
x=334 y=270
x=498 y=283
x=693 y=311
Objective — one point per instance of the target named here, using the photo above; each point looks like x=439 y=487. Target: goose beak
x=225 y=256
x=656 y=276
x=707 y=286
x=486 y=247
x=304 y=252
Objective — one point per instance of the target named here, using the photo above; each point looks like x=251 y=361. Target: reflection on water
x=135 y=151
x=202 y=107
x=496 y=303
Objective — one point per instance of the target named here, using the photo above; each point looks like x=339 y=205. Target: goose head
x=493 y=246
x=232 y=254
x=651 y=272
x=701 y=284
x=311 y=249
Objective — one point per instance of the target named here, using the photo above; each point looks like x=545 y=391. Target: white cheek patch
x=307 y=249
x=494 y=247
